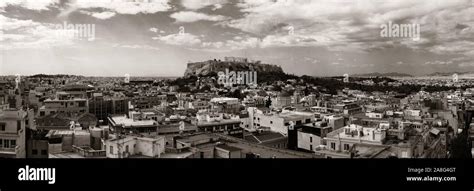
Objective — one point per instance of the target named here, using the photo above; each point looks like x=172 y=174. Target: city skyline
x=158 y=38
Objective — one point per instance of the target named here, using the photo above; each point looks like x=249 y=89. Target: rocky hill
x=215 y=66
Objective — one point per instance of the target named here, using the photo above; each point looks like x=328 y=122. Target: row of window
x=6 y=143
x=111 y=148
x=42 y=113
x=346 y=146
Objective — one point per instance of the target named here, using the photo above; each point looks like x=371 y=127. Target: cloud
x=153 y=29
x=243 y=43
x=190 y=16
x=103 y=15
x=438 y=62
x=180 y=39
x=195 y=5
x=123 y=6
x=100 y=15
x=29 y=4
x=355 y=25
x=216 y=45
x=25 y=34
x=136 y=46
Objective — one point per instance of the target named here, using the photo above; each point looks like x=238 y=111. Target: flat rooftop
x=125 y=121
x=291 y=116
x=221 y=122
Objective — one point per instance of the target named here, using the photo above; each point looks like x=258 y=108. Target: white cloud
x=153 y=29
x=190 y=16
x=100 y=15
x=103 y=15
x=438 y=62
x=11 y=23
x=23 y=34
x=29 y=4
x=136 y=46
x=216 y=45
x=244 y=43
x=124 y=7
x=194 y=4
x=355 y=25
x=180 y=39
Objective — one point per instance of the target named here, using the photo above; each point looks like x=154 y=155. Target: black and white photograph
x=119 y=87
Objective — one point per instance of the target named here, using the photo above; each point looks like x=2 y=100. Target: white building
x=277 y=122
x=13 y=124
x=129 y=146
x=342 y=139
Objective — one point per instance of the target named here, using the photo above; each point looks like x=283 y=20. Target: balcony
x=4 y=150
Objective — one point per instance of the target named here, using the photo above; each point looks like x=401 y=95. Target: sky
x=304 y=37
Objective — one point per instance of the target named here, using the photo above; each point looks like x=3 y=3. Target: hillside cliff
x=210 y=66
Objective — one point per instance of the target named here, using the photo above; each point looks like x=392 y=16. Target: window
x=1 y=143
x=41 y=113
x=44 y=152
x=310 y=147
x=6 y=143
x=12 y=143
x=18 y=125
x=35 y=152
x=111 y=149
x=311 y=140
x=404 y=154
x=346 y=147
x=308 y=121
x=2 y=126
x=126 y=149
x=333 y=146
x=271 y=122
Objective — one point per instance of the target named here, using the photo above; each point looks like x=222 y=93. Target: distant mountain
x=390 y=74
x=449 y=73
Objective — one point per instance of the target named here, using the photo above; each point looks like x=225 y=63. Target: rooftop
x=228 y=148
x=127 y=122
x=358 y=132
x=262 y=137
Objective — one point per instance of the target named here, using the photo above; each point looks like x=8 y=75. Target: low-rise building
x=122 y=124
x=12 y=133
x=132 y=146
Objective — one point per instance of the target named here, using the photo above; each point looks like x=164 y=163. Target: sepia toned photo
x=237 y=79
